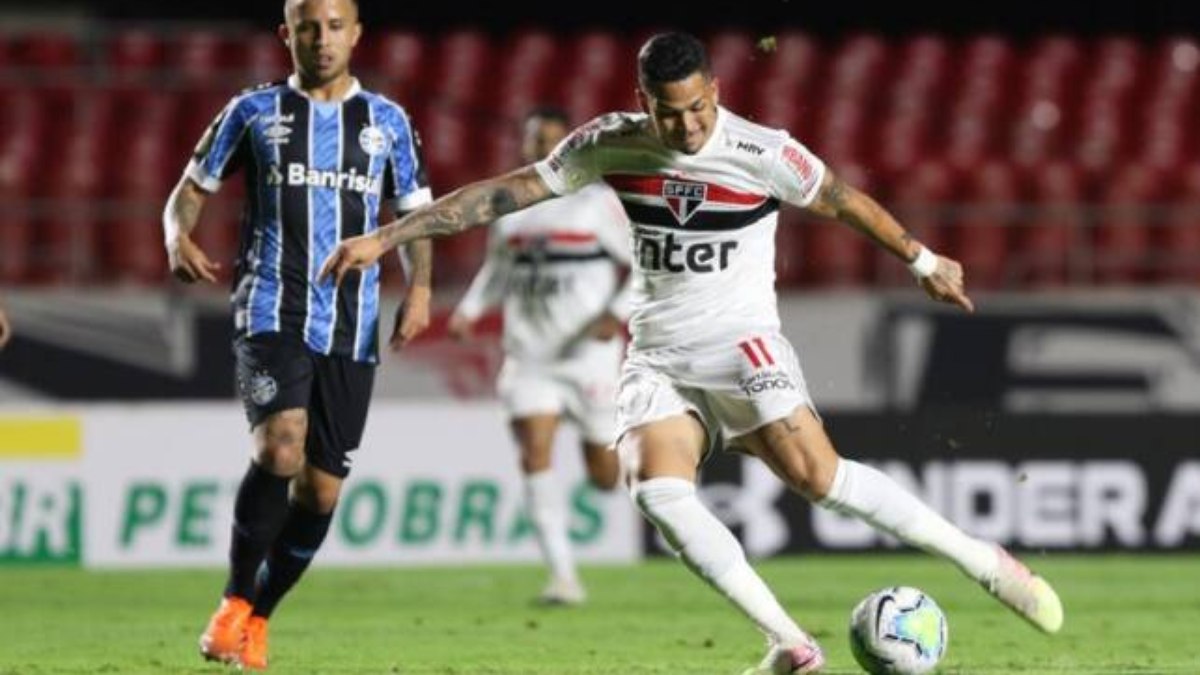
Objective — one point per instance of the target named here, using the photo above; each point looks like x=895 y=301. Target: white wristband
x=924 y=264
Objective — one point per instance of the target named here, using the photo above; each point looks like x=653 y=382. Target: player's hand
x=189 y=263
x=412 y=317
x=5 y=329
x=356 y=253
x=605 y=327
x=946 y=284
x=460 y=327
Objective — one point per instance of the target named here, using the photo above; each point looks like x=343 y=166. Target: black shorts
x=276 y=372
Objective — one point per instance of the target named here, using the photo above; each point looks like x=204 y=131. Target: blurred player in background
x=556 y=268
x=708 y=367
x=5 y=328
x=320 y=155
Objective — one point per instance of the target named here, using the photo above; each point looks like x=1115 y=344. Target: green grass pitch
x=1125 y=615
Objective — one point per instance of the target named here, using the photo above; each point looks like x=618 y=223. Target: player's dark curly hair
x=670 y=57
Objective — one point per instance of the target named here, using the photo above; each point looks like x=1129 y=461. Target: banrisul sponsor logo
x=40 y=520
x=424 y=513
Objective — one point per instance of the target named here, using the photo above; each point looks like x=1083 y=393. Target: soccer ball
x=898 y=631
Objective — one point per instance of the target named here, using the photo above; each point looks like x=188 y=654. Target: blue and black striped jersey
x=316 y=172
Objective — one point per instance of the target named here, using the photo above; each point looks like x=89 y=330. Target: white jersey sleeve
x=490 y=284
x=794 y=173
x=613 y=232
x=579 y=158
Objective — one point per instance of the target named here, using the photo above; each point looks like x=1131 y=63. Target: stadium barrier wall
x=153 y=485
x=1083 y=483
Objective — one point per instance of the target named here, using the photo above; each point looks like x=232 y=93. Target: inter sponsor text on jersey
x=315 y=174
x=554 y=267
x=703 y=224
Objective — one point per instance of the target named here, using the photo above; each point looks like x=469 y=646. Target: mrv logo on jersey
x=299 y=175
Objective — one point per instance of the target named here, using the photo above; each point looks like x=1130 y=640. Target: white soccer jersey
x=703 y=224
x=555 y=267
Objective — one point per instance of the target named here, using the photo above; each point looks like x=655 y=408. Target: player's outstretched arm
x=476 y=204
x=187 y=260
x=5 y=329
x=941 y=277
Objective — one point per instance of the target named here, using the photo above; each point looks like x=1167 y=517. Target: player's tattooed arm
x=839 y=200
x=420 y=257
x=186 y=259
x=476 y=204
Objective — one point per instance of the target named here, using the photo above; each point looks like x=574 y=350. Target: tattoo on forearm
x=835 y=194
x=469 y=207
x=420 y=255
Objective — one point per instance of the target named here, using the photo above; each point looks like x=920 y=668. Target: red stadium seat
x=398 y=60
x=979 y=238
x=1123 y=233
x=201 y=56
x=1179 y=239
x=69 y=233
x=267 y=59
x=135 y=54
x=16 y=226
x=919 y=200
x=834 y=253
x=1050 y=246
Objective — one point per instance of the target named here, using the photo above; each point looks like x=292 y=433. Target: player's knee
x=811 y=479
x=279 y=443
x=604 y=471
x=316 y=495
x=281 y=459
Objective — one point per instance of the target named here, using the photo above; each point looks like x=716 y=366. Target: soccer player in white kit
x=556 y=268
x=707 y=366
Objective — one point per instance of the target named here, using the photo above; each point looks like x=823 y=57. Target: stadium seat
x=1050 y=244
x=69 y=232
x=835 y=254
x=134 y=54
x=1179 y=239
x=979 y=237
x=1123 y=232
x=919 y=200
x=397 y=60
x=267 y=59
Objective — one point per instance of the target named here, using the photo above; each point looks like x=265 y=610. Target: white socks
x=712 y=552
x=548 y=511
x=862 y=491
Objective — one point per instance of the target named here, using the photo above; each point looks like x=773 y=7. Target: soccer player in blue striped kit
x=320 y=156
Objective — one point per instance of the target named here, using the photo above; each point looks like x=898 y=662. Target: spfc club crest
x=684 y=198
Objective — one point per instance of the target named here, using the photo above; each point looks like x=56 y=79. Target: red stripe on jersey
x=559 y=237
x=763 y=348
x=652 y=186
x=749 y=352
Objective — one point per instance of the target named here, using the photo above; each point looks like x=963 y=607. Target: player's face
x=540 y=137
x=321 y=34
x=684 y=112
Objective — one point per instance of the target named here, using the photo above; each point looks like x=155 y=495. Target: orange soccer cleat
x=222 y=639
x=254 y=646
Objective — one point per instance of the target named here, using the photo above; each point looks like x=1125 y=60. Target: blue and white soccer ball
x=898 y=631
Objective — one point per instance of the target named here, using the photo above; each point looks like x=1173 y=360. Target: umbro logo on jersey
x=275 y=129
x=299 y=175
x=684 y=198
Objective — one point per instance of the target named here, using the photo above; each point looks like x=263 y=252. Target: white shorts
x=733 y=387
x=584 y=388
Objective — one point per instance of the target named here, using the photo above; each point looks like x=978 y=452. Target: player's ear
x=285 y=36
x=358 y=32
x=715 y=89
x=643 y=99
